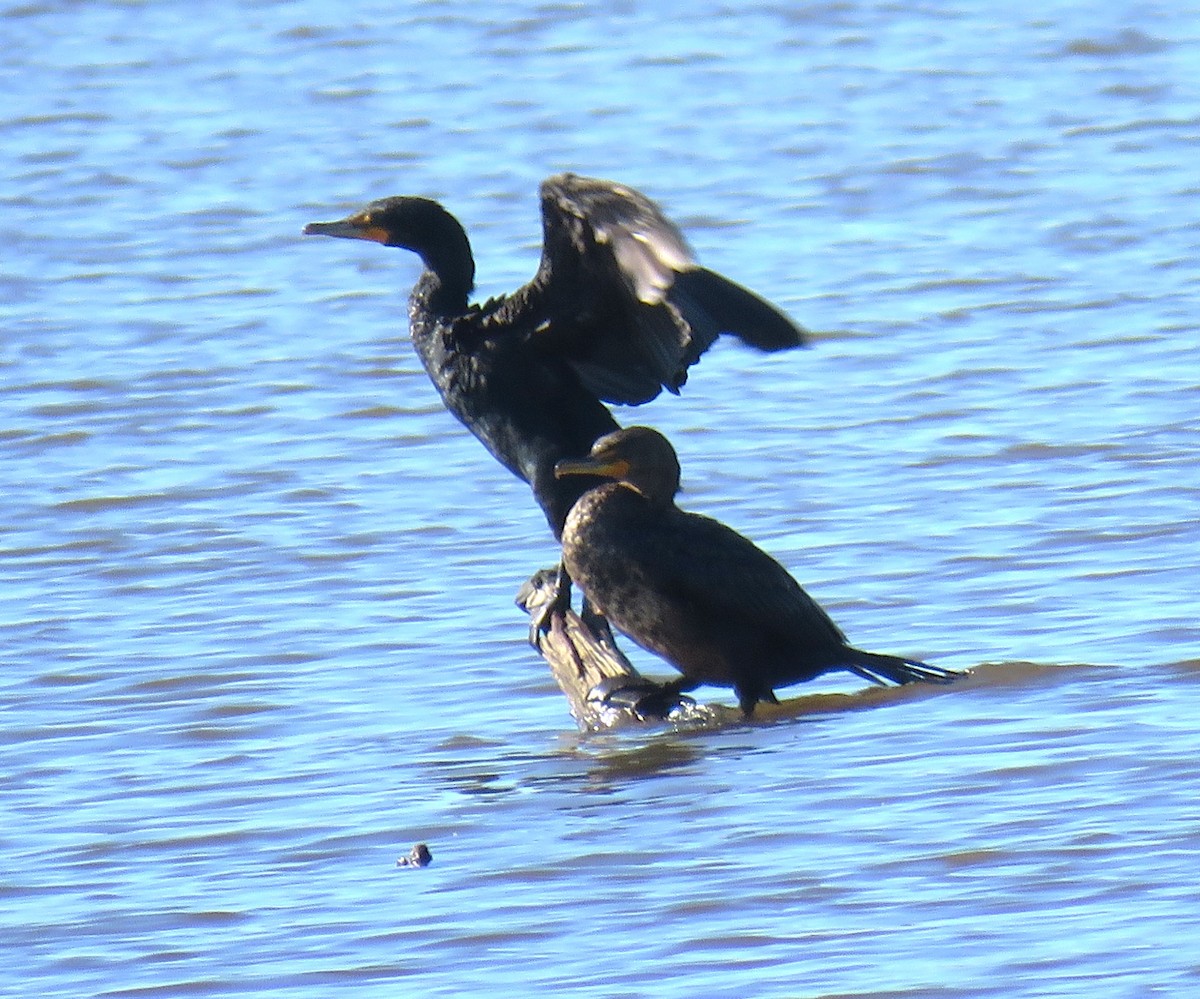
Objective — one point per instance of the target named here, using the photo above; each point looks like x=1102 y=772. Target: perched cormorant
x=705 y=598
x=617 y=311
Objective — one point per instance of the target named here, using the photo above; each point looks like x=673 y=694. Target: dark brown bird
x=617 y=311
x=705 y=598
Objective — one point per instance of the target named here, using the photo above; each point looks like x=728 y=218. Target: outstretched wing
x=620 y=297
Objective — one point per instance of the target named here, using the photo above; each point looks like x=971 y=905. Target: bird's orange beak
x=616 y=469
x=354 y=227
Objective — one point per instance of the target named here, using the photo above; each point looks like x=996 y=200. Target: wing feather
x=688 y=553
x=620 y=296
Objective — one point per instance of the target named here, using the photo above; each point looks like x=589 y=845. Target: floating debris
x=418 y=856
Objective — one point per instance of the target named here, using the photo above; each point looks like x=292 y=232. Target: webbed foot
x=643 y=698
x=546 y=596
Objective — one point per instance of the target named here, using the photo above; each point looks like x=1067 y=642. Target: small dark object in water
x=705 y=598
x=418 y=856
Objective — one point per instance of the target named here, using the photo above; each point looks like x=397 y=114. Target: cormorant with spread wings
x=617 y=311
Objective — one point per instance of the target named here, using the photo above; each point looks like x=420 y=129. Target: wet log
x=602 y=687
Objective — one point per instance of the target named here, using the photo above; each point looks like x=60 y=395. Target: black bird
x=705 y=598
x=617 y=311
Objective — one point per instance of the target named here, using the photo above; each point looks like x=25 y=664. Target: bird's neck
x=656 y=496
x=442 y=294
x=449 y=270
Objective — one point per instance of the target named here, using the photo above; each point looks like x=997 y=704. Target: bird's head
x=637 y=457
x=417 y=224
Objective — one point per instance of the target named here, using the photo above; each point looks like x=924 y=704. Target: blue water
x=256 y=586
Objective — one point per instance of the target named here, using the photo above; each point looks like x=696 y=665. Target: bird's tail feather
x=884 y=669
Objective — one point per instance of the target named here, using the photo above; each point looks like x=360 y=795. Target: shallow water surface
x=257 y=585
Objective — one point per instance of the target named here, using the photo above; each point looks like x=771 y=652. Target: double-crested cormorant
x=617 y=311
x=705 y=598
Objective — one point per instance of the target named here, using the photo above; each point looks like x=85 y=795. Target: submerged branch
x=602 y=687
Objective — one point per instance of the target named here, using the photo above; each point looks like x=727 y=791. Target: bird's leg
x=557 y=605
x=541 y=597
x=547 y=601
x=748 y=698
x=558 y=625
